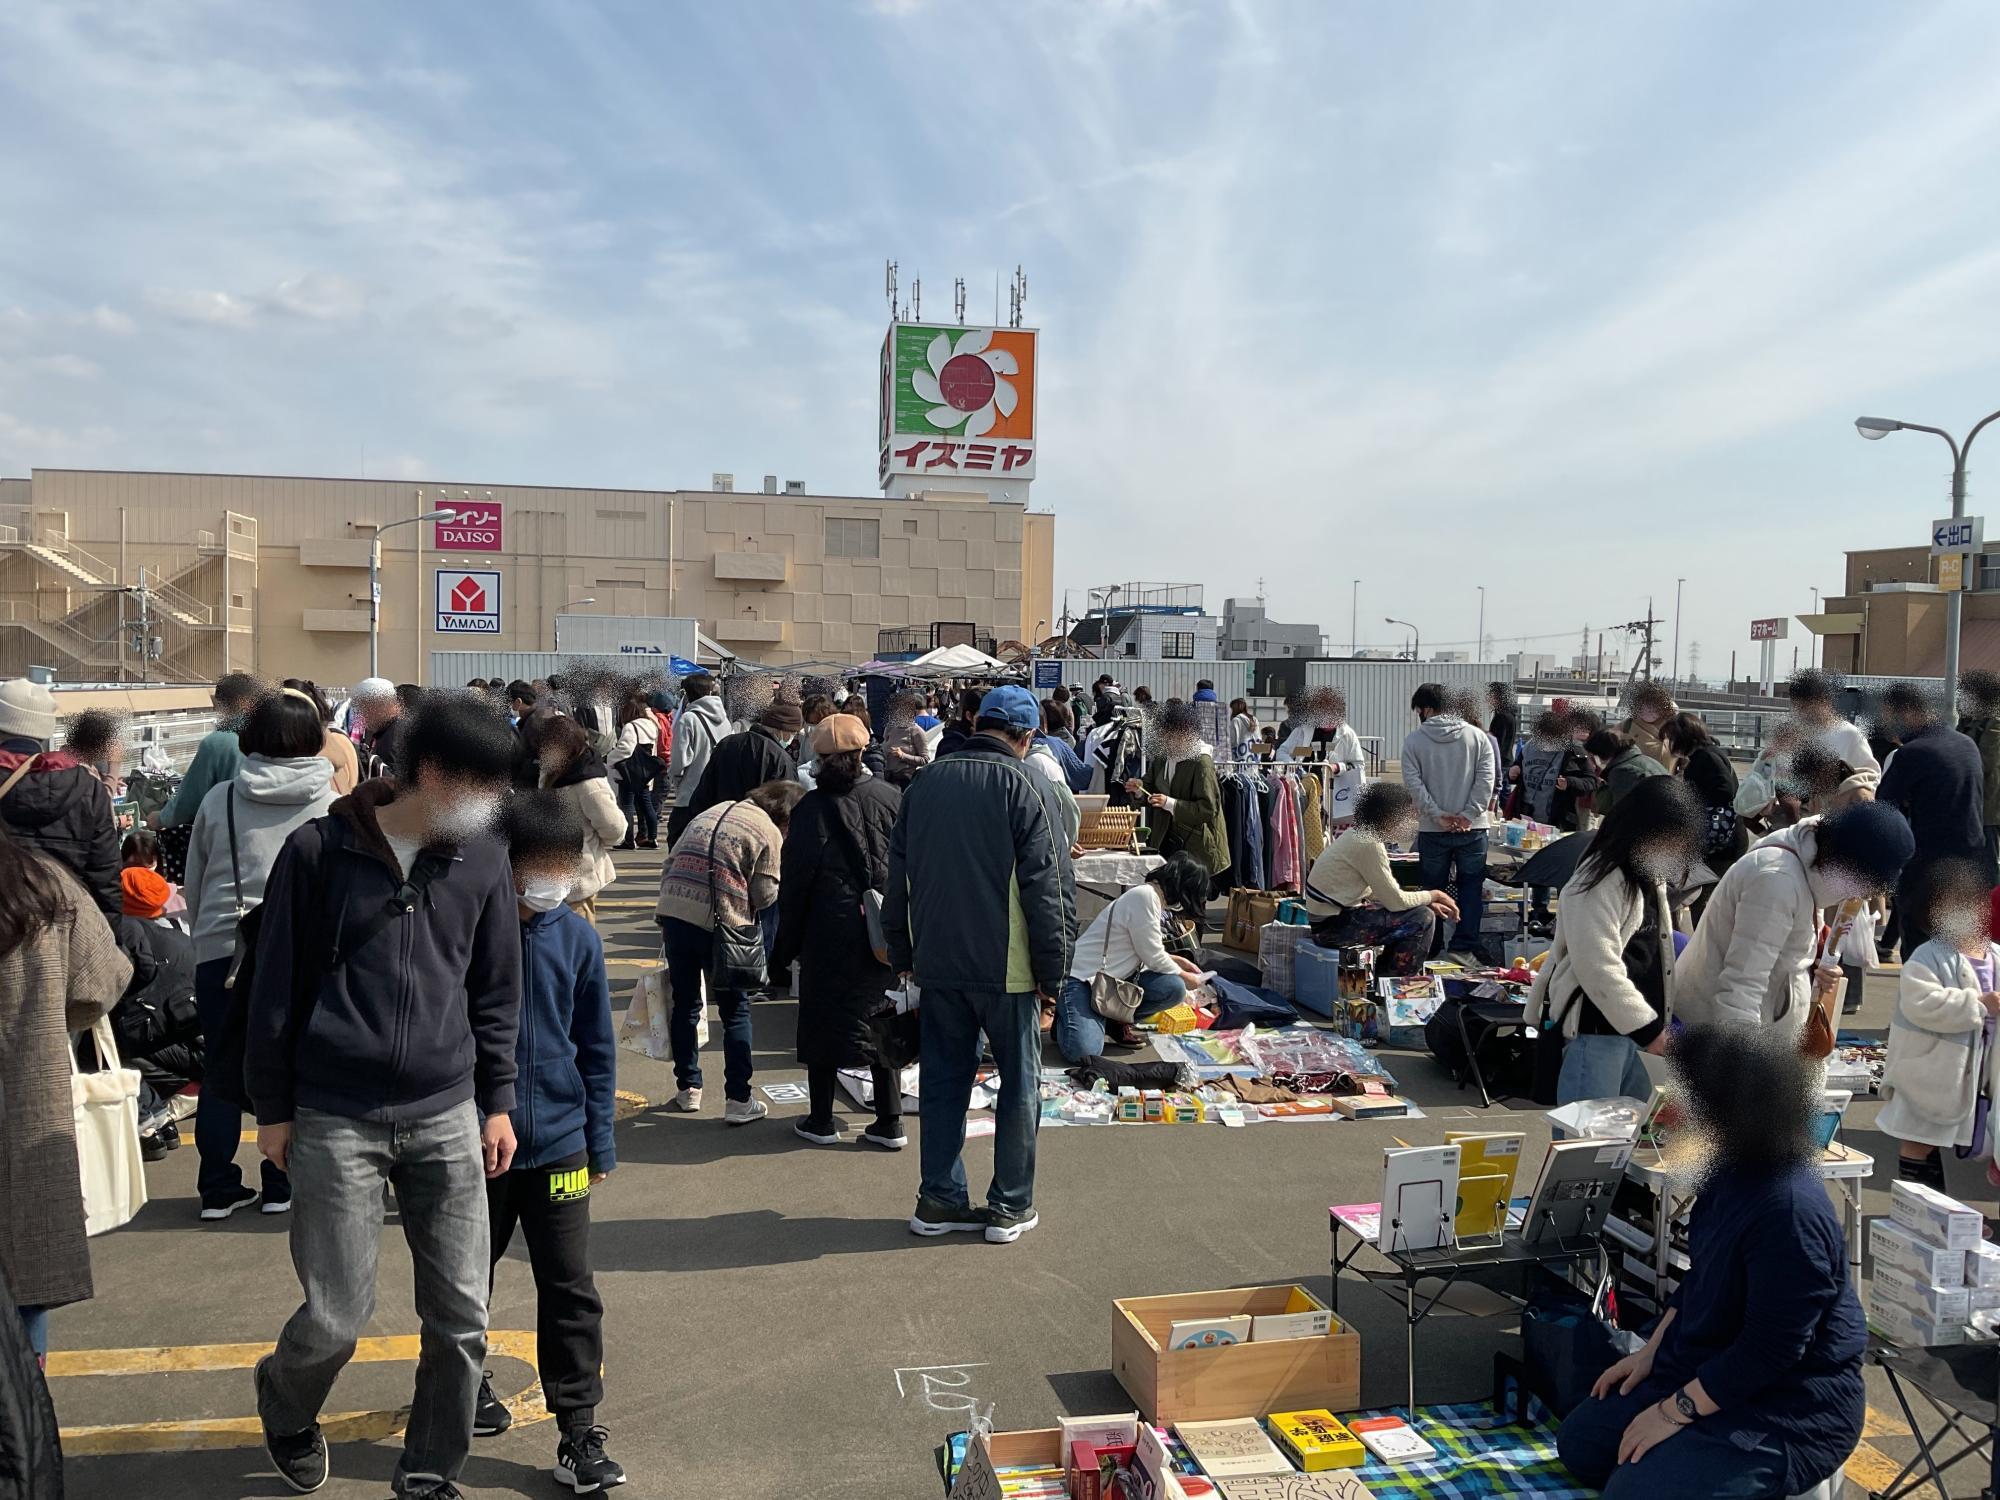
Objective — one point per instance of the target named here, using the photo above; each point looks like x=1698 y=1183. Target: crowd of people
x=371 y=925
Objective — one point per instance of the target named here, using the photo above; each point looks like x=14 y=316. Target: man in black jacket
x=383 y=1011
x=980 y=908
x=1938 y=782
x=959 y=731
x=51 y=803
x=743 y=762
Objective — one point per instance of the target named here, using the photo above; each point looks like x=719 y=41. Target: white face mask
x=1668 y=866
x=1844 y=885
x=546 y=892
x=466 y=817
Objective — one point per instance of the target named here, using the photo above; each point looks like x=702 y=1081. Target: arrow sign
x=1958 y=534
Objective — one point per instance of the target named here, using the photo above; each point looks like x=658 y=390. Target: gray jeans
x=338 y=1167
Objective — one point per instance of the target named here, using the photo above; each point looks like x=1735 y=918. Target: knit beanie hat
x=145 y=893
x=784 y=716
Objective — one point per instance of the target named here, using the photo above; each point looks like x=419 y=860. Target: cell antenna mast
x=890 y=279
x=958 y=299
x=1017 y=298
x=917 y=298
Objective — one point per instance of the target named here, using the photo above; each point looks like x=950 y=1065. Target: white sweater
x=1124 y=939
x=1931 y=1074
x=1593 y=925
x=640 y=734
x=1750 y=958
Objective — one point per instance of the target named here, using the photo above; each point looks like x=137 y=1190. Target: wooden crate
x=1237 y=1380
x=977 y=1481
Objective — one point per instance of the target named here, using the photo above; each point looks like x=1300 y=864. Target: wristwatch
x=1684 y=1404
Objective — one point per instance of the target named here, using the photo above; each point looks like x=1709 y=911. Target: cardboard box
x=1239 y=1380
x=1982 y=1265
x=1930 y=1215
x=1983 y=1298
x=1908 y=1330
x=1940 y=1304
x=1894 y=1246
x=991 y=1451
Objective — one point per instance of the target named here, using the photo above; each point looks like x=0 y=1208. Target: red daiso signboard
x=477 y=528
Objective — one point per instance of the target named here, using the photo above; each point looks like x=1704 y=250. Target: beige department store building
x=270 y=574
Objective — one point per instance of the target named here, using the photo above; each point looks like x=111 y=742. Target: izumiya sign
x=957 y=403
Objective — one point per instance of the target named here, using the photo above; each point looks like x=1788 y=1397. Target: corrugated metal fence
x=1165 y=679
x=1378 y=692
x=456 y=668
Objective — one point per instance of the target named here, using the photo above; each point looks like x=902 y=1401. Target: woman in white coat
x=1607 y=982
x=1941 y=1038
x=1750 y=959
x=571 y=767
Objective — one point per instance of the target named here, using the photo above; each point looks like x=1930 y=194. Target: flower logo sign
x=966 y=382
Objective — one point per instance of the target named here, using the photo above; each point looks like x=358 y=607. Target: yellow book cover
x=1499 y=1151
x=1317 y=1440
x=1482 y=1204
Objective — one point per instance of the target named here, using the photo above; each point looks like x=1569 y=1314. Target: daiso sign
x=475 y=529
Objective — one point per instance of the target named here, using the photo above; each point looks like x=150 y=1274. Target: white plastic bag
x=1857 y=948
x=647 y=1007
x=104 y=1108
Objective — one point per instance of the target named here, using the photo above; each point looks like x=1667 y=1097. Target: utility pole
x=1647 y=630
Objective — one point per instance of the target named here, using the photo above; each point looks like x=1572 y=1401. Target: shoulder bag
x=736 y=957
x=1817 y=1036
x=1115 y=999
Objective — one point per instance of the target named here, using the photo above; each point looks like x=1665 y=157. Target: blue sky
x=1567 y=301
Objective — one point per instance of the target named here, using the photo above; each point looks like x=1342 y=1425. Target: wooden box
x=977 y=1481
x=1237 y=1380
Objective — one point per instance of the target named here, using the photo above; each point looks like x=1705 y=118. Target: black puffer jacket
x=158 y=1006
x=60 y=808
x=31 y=1465
x=740 y=764
x=834 y=840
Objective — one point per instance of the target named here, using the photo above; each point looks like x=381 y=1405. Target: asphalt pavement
x=772 y=1326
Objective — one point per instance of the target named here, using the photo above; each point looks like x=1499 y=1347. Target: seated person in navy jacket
x=1750 y=1386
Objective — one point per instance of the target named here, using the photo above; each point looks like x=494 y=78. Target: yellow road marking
x=1884 y=1424
x=633 y=963
x=1874 y=1471
x=629 y=1104
x=622 y=902
x=246 y=1432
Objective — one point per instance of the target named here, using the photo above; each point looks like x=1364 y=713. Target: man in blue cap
x=980 y=909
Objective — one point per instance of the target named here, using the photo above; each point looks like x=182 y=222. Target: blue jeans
x=1602 y=1067
x=949 y=1055
x=1703 y=1460
x=35 y=1323
x=1080 y=1030
x=218 y=1124
x=1456 y=862
x=338 y=1167
x=688 y=948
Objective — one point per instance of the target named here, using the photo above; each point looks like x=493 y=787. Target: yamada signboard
x=962 y=398
x=476 y=529
x=468 y=601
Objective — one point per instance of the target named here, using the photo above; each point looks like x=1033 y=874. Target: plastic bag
x=647 y=1007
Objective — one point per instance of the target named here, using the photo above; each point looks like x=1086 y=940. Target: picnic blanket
x=1480 y=1457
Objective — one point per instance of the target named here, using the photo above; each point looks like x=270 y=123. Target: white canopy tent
x=959 y=659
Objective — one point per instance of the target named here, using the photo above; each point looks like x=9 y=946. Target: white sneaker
x=744 y=1111
x=874 y=1137
x=831 y=1138
x=687 y=1101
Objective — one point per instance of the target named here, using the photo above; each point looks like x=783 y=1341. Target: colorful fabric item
x=1286 y=873
x=1478 y=1457
x=1312 y=803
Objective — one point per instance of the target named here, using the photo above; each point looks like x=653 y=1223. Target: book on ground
x=1335 y=1484
x=1316 y=1440
x=1231 y=1449
x=1391 y=1439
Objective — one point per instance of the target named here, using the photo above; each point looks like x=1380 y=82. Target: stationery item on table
x=1494 y=1151
x=1573 y=1195
x=1316 y=1440
x=1481 y=1211
x=1904 y=1250
x=1337 y=1484
x=1411 y=1000
x=1208 y=1333
x=1233 y=1448
x=1391 y=1439
x=1303 y=1318
x=1930 y=1215
x=1419 y=1193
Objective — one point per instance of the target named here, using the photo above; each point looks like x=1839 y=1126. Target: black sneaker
x=444 y=1489
x=228 y=1203
x=1004 y=1226
x=583 y=1465
x=301 y=1458
x=934 y=1218
x=490 y=1416
x=153 y=1146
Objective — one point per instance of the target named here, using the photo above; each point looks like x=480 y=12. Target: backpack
x=224 y=1075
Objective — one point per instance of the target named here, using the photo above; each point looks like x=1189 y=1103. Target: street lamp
x=375 y=578
x=1678 y=582
x=1416 y=641
x=554 y=643
x=1877 y=428
x=1479 y=646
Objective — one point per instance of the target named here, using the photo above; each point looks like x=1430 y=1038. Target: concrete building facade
x=270 y=574
x=1888 y=619
x=1249 y=631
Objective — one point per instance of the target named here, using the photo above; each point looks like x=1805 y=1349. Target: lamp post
x=554 y=644
x=1815 y=645
x=1877 y=428
x=1354 y=622
x=375 y=578
x=1678 y=582
x=1479 y=646
x=1416 y=640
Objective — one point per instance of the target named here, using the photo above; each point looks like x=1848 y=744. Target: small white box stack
x=1932 y=1269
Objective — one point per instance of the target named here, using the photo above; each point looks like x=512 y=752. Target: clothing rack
x=1294 y=769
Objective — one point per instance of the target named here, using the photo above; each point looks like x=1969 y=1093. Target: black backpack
x=224 y=1074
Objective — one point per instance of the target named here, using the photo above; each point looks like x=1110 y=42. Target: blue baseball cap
x=1013 y=706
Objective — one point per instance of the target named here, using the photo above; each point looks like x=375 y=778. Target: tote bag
x=646 y=1010
x=104 y=1107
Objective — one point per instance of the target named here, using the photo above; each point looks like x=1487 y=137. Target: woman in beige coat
x=60 y=969
x=570 y=766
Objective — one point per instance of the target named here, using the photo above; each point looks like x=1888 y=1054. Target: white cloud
x=109 y=320
x=320 y=296
x=222 y=309
x=71 y=366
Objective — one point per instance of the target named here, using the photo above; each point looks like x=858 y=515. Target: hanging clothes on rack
x=1312 y=816
x=1286 y=870
x=1243 y=809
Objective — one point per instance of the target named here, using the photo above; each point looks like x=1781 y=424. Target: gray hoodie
x=272 y=798
x=700 y=725
x=1449 y=768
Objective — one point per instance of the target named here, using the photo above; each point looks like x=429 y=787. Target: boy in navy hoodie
x=568 y=1069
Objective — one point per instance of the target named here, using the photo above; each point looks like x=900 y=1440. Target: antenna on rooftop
x=917 y=298
x=958 y=299
x=1017 y=297
x=889 y=279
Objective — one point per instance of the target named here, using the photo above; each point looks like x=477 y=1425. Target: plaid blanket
x=1479 y=1457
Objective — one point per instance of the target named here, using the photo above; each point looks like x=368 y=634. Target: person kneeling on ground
x=567 y=1058
x=1750 y=1386
x=394 y=916
x=1127 y=941
x=1352 y=895
x=155 y=1024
